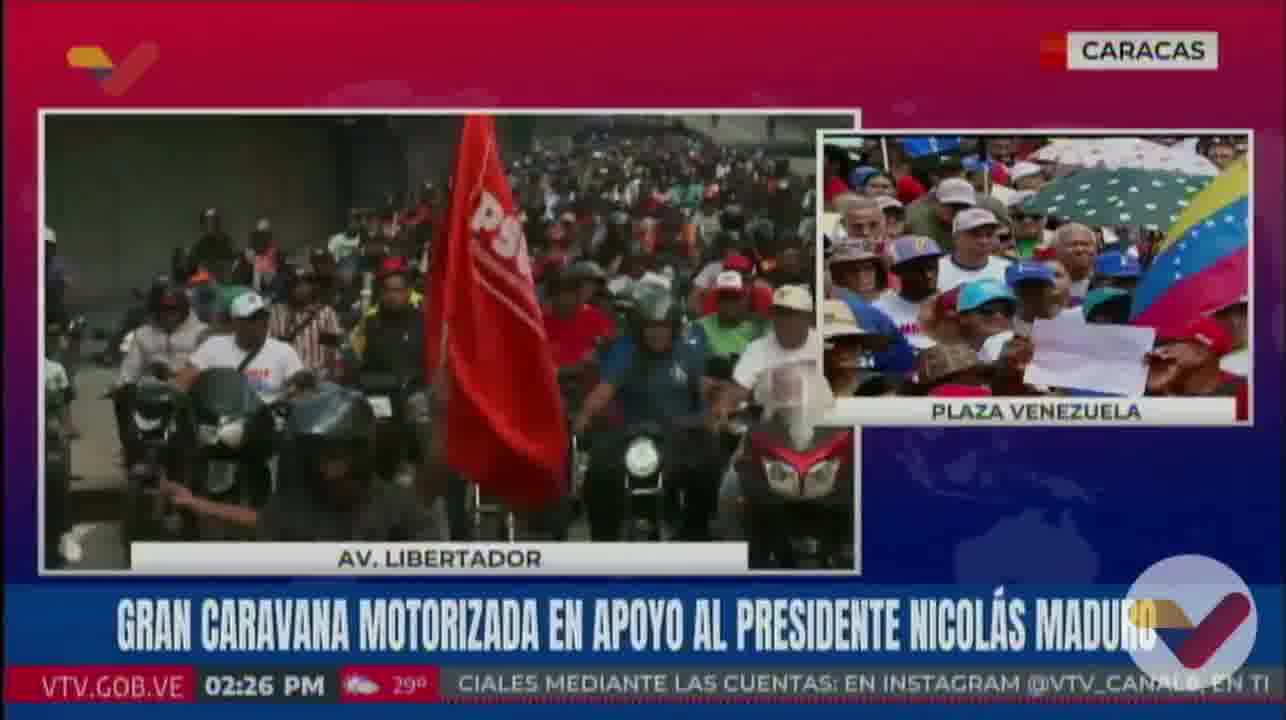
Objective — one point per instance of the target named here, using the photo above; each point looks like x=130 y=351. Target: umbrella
x=1147 y=198
x=1203 y=263
x=1116 y=153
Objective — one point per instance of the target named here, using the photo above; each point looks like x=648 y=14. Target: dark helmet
x=332 y=420
x=167 y=295
x=656 y=306
x=733 y=217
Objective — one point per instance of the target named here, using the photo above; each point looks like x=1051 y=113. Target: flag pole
x=884 y=152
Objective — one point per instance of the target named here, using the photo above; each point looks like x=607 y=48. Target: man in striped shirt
x=307 y=324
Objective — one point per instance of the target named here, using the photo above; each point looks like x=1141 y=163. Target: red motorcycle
x=797 y=482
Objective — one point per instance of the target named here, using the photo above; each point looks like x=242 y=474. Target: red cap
x=740 y=263
x=960 y=391
x=1207 y=332
x=392 y=265
x=1044 y=253
x=947 y=300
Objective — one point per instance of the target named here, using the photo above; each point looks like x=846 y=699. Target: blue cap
x=1117 y=265
x=973 y=163
x=858 y=177
x=913 y=247
x=1021 y=272
x=977 y=293
x=1100 y=297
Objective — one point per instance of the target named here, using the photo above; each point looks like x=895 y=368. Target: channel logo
x=1204 y=615
x=114 y=78
x=1130 y=51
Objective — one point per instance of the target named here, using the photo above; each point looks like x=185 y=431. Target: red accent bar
x=1053 y=51
x=389 y=684
x=100 y=684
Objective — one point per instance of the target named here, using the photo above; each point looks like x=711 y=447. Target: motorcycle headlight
x=145 y=424
x=782 y=478
x=642 y=458
x=231 y=433
x=820 y=480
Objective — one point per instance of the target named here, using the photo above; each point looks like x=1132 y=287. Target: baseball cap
x=1101 y=296
x=1209 y=333
x=977 y=293
x=729 y=281
x=838 y=320
x=954 y=191
x=1018 y=197
x=1117 y=265
x=247 y=305
x=740 y=263
x=1022 y=170
x=913 y=247
x=939 y=362
x=887 y=203
x=1021 y=272
x=851 y=250
x=972 y=219
x=793 y=297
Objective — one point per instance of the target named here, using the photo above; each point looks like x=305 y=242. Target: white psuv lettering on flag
x=500 y=247
x=1143 y=51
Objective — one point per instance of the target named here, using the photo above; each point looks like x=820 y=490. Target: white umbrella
x=1119 y=153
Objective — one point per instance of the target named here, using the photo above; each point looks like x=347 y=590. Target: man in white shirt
x=272 y=364
x=794 y=340
x=971 y=258
x=1076 y=247
x=347 y=242
x=914 y=261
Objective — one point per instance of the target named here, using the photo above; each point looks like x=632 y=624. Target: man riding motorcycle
x=269 y=365
x=656 y=378
x=330 y=493
x=727 y=333
x=173 y=332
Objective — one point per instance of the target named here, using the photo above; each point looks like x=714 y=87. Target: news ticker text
x=461 y=684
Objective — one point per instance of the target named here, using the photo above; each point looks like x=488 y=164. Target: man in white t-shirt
x=914 y=260
x=971 y=258
x=273 y=365
x=1076 y=247
x=794 y=340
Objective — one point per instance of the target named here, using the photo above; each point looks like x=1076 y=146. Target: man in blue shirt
x=655 y=376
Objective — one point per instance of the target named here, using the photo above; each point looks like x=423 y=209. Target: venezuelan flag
x=1203 y=263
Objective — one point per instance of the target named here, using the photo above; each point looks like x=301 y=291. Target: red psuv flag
x=505 y=425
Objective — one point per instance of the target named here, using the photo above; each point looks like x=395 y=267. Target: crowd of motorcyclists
x=677 y=282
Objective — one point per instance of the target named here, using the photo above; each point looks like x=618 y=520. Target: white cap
x=793 y=297
x=246 y=305
x=263 y=225
x=972 y=219
x=838 y=320
x=888 y=201
x=849 y=250
x=955 y=191
x=50 y=236
x=729 y=280
x=1022 y=170
x=1019 y=197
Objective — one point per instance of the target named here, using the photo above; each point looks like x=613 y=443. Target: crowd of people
x=669 y=267
x=938 y=265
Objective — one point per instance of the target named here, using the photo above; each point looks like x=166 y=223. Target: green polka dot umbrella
x=1151 y=199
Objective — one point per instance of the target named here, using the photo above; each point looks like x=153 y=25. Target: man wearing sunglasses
x=1029 y=226
x=973 y=253
x=987 y=309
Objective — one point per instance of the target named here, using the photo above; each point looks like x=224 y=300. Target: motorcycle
x=401 y=411
x=646 y=503
x=57 y=471
x=797 y=484
x=159 y=423
x=119 y=340
x=235 y=436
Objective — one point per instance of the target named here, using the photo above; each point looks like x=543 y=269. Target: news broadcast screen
x=398 y=359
